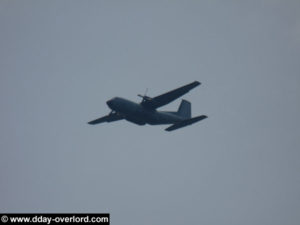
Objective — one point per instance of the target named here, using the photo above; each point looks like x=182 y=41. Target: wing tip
x=194 y=84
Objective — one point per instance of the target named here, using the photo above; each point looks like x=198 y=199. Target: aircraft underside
x=146 y=112
x=155 y=118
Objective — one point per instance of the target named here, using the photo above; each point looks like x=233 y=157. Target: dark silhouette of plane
x=145 y=112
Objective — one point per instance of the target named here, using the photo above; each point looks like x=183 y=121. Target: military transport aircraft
x=145 y=112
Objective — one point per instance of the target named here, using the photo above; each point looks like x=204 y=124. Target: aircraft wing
x=168 y=97
x=109 y=118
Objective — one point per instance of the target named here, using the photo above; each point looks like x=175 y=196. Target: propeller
x=145 y=97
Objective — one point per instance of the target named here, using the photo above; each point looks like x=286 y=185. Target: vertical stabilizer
x=185 y=109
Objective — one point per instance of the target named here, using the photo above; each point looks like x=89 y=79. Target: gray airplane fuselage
x=138 y=114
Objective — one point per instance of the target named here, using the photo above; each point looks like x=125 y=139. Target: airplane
x=146 y=111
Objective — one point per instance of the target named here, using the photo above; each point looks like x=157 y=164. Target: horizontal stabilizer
x=185 y=123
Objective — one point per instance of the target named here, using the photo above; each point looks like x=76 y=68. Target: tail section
x=185 y=109
x=185 y=123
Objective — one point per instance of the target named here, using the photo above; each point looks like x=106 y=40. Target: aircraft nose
x=109 y=103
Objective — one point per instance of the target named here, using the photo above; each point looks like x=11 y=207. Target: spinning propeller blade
x=145 y=97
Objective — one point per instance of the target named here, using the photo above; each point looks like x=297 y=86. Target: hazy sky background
x=61 y=60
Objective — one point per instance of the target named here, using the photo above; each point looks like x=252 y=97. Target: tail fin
x=185 y=109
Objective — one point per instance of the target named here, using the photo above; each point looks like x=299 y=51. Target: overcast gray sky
x=61 y=60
